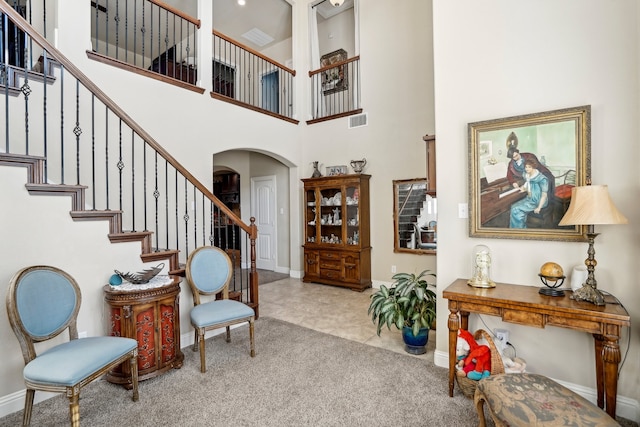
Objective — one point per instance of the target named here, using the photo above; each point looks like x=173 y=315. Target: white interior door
x=263 y=207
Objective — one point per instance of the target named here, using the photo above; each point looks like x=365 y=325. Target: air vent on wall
x=358 y=121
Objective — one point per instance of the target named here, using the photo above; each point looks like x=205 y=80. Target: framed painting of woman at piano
x=521 y=171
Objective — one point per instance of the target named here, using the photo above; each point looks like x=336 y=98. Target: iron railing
x=245 y=77
x=90 y=146
x=147 y=34
x=335 y=90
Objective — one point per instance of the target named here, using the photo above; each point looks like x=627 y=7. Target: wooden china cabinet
x=150 y=315
x=337 y=249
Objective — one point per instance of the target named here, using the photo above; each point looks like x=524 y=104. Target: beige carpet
x=299 y=377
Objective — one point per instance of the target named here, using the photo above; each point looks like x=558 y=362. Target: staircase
x=411 y=202
x=36 y=186
x=76 y=142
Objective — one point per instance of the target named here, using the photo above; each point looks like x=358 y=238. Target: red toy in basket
x=474 y=359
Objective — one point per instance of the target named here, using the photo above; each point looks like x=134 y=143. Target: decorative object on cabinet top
x=157 y=282
x=336 y=170
x=316 y=171
x=358 y=165
x=141 y=277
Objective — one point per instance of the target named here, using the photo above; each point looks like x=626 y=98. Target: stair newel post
x=253 y=273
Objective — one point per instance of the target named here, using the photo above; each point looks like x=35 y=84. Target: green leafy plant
x=408 y=302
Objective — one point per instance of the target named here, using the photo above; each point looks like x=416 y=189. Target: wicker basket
x=467 y=385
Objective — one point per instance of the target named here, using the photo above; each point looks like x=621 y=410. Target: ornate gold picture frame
x=521 y=171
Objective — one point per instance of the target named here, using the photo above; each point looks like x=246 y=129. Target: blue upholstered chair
x=209 y=272
x=43 y=302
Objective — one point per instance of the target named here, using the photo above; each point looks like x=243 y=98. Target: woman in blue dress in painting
x=536 y=186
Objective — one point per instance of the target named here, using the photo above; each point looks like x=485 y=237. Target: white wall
x=502 y=58
x=336 y=33
x=397 y=94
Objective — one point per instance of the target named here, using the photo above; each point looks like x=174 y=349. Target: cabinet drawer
x=330 y=274
x=330 y=255
x=329 y=264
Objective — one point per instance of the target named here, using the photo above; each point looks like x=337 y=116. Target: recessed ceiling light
x=241 y=2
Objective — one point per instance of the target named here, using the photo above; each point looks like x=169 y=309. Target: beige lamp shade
x=590 y=205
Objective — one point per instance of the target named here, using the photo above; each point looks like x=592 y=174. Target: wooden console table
x=525 y=306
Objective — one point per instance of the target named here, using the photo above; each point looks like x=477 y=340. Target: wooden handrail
x=332 y=66
x=23 y=25
x=176 y=12
x=253 y=52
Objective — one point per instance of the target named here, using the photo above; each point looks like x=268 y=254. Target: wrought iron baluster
x=93 y=152
x=177 y=215
x=61 y=125
x=126 y=31
x=26 y=91
x=144 y=183
x=143 y=30
x=195 y=218
x=166 y=45
x=106 y=156
x=96 y=24
x=186 y=218
x=120 y=165
x=204 y=224
x=156 y=196
x=77 y=132
x=45 y=127
x=117 y=21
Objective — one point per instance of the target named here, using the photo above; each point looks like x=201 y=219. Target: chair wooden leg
x=195 y=339
x=228 y=334
x=203 y=366
x=478 y=400
x=74 y=406
x=251 y=338
x=134 y=375
x=28 y=407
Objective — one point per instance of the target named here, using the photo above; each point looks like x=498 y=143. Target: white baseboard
x=14 y=402
x=625 y=407
x=283 y=270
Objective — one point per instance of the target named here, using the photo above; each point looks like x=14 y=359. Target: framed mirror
x=415 y=210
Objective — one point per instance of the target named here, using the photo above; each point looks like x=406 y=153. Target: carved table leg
x=454 y=324
x=611 y=358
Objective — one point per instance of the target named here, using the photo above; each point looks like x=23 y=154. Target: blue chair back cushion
x=45 y=301
x=210 y=270
x=69 y=363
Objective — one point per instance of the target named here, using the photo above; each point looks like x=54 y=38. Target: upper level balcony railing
x=335 y=90
x=245 y=77
x=147 y=34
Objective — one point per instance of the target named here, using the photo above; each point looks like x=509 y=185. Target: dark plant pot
x=415 y=344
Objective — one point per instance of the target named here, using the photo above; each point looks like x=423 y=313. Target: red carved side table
x=150 y=314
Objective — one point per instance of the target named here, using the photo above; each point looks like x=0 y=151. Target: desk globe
x=552 y=276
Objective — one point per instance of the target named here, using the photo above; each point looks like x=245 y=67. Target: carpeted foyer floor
x=317 y=379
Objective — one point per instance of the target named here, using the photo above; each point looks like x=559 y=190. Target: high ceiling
x=272 y=17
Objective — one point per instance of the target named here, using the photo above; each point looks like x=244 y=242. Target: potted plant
x=410 y=305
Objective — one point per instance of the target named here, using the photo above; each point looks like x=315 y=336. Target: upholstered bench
x=516 y=400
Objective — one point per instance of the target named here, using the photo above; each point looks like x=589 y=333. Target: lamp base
x=589 y=294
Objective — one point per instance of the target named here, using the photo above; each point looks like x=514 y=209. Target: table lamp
x=590 y=205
